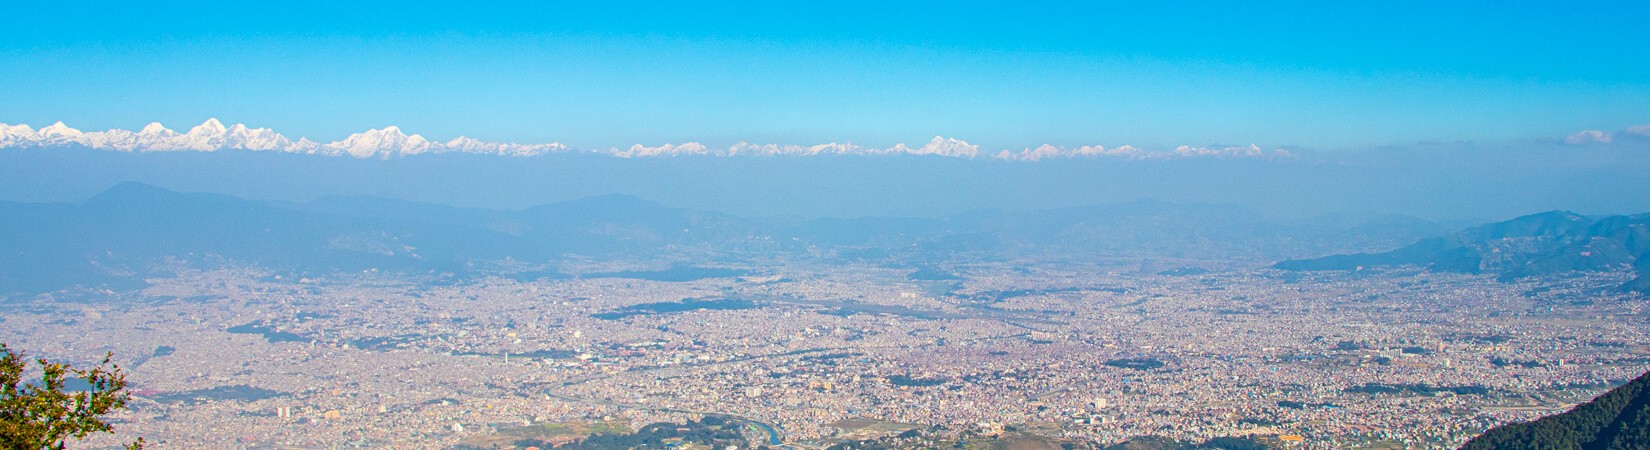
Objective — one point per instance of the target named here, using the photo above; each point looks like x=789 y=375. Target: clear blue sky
x=1323 y=75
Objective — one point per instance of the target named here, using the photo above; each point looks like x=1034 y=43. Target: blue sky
x=1321 y=75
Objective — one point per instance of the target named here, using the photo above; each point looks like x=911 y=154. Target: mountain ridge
x=1534 y=244
x=392 y=141
x=128 y=229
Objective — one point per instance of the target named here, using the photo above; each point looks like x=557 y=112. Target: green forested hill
x=1619 y=419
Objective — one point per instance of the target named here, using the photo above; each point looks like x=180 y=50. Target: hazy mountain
x=1549 y=242
x=132 y=230
x=1618 y=419
x=1131 y=228
x=623 y=223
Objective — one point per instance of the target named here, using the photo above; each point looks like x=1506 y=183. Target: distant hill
x=1619 y=419
x=117 y=238
x=1139 y=228
x=134 y=230
x=1549 y=242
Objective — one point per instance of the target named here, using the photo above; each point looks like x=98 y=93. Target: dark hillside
x=1619 y=419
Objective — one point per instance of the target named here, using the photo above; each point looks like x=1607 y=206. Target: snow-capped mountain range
x=213 y=136
x=390 y=141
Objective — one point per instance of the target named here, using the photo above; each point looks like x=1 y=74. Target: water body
x=773 y=435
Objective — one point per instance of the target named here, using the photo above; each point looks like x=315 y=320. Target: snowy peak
x=241 y=137
x=1130 y=152
x=638 y=150
x=59 y=131
x=941 y=146
x=382 y=142
x=156 y=129
x=17 y=136
x=210 y=127
x=391 y=141
x=211 y=135
x=466 y=144
x=207 y=136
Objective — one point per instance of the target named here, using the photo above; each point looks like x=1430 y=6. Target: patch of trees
x=269 y=332
x=932 y=274
x=674 y=274
x=712 y=431
x=1136 y=363
x=237 y=392
x=1503 y=362
x=44 y=413
x=687 y=304
x=997 y=296
x=905 y=380
x=1303 y=405
x=1163 y=443
x=1618 y=419
x=1418 y=389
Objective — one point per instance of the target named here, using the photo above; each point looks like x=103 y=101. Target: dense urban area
x=808 y=356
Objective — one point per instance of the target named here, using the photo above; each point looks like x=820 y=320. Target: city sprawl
x=1075 y=352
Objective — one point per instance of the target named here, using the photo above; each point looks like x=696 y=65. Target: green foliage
x=1232 y=443
x=1149 y=443
x=1619 y=419
x=1136 y=363
x=713 y=431
x=44 y=414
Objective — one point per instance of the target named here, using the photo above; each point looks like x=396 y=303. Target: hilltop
x=1619 y=419
x=1536 y=244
